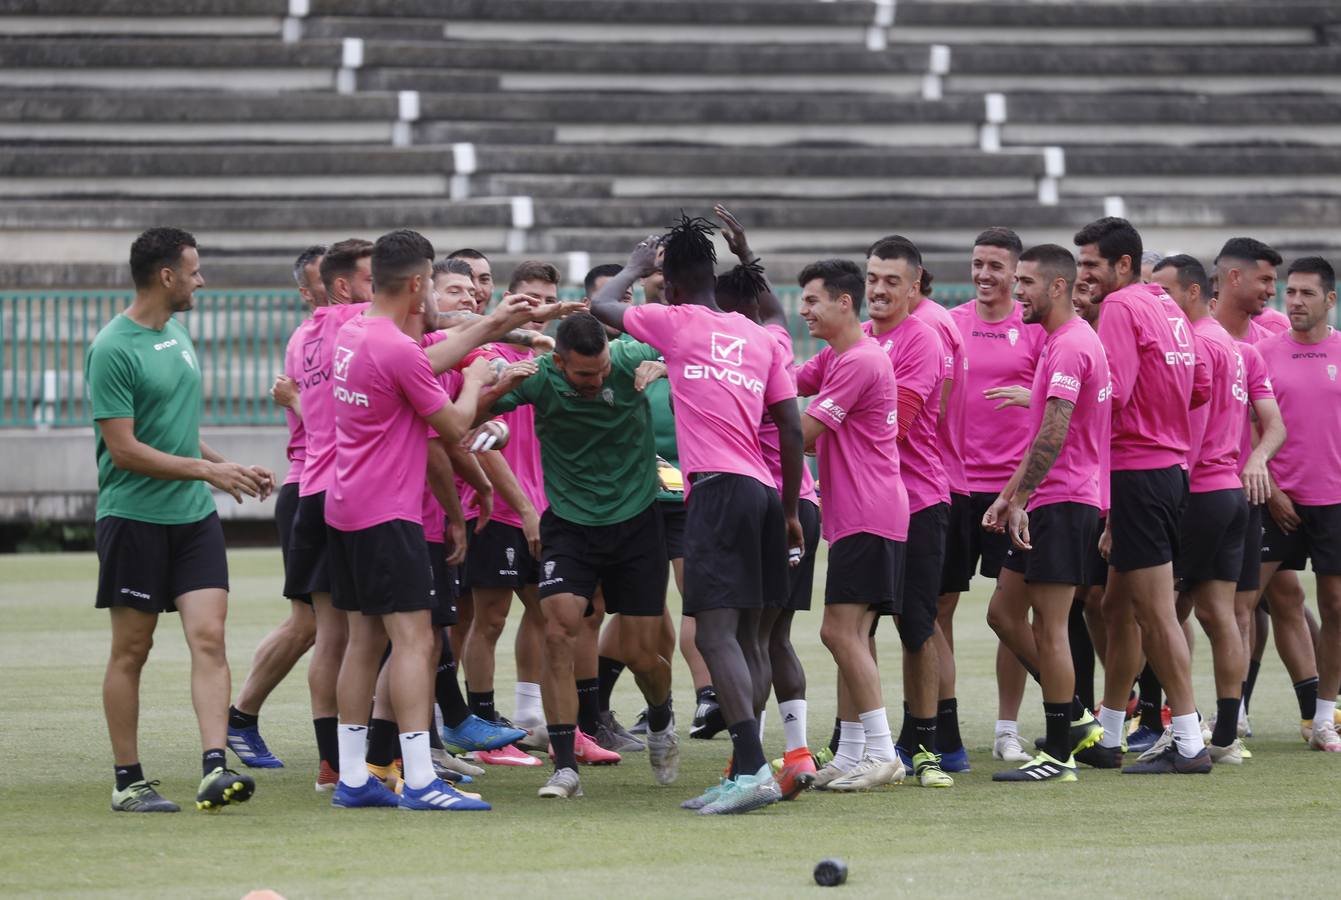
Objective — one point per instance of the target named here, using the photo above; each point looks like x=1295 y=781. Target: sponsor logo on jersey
x=728 y=349
x=834 y=411
x=1308 y=355
x=312 y=354
x=353 y=398
x=343 y=356
x=1184 y=355
x=1060 y=379
x=693 y=372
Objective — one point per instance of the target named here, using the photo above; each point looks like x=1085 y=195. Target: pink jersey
x=768 y=429
x=919 y=366
x=1307 y=381
x=522 y=451
x=996 y=354
x=952 y=343
x=1073 y=367
x=298 y=354
x=1153 y=362
x=435 y=531
x=1217 y=425
x=1259 y=387
x=724 y=372
x=383 y=389
x=318 y=401
x=857 y=400
x=1273 y=320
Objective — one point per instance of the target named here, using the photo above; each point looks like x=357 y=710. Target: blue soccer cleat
x=955 y=761
x=476 y=734
x=1142 y=739
x=250 y=748
x=439 y=796
x=372 y=794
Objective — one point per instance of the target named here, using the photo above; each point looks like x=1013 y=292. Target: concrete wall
x=52 y=476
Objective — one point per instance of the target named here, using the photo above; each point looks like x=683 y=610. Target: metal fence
x=239 y=336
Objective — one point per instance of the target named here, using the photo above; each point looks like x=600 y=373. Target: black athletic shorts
x=673 y=514
x=626 y=561
x=306 y=569
x=1146 y=517
x=498 y=555
x=444 y=585
x=866 y=568
x=1210 y=547
x=286 y=508
x=1318 y=538
x=968 y=544
x=1097 y=568
x=801 y=577
x=1064 y=536
x=147 y=566
x=1250 y=576
x=735 y=553
x=383 y=569
x=923 y=565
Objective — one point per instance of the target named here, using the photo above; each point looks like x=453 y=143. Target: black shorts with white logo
x=1097 y=568
x=735 y=554
x=147 y=566
x=801 y=577
x=923 y=564
x=967 y=544
x=1211 y=544
x=498 y=555
x=1318 y=538
x=1063 y=536
x=673 y=514
x=286 y=508
x=626 y=560
x=382 y=570
x=306 y=569
x=868 y=569
x=1146 y=517
x=1250 y=575
x=444 y=585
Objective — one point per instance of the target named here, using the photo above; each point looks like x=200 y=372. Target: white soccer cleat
x=537 y=736
x=1008 y=747
x=663 y=752
x=456 y=764
x=1227 y=756
x=870 y=773
x=1325 y=738
x=828 y=774
x=564 y=784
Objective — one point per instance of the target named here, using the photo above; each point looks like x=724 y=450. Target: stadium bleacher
x=555 y=127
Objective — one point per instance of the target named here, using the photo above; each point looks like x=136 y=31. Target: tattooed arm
x=524 y=337
x=1007 y=512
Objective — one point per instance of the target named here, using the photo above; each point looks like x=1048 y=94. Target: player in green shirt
x=160 y=544
x=601 y=530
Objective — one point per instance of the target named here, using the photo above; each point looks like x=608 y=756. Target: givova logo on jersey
x=1184 y=355
x=343 y=357
x=726 y=356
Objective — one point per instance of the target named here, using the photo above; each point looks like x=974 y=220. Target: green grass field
x=1269 y=827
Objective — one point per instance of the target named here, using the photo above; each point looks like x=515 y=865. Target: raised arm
x=608 y=302
x=770 y=307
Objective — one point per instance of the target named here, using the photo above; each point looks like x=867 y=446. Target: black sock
x=1254 y=666
x=1151 y=703
x=588 y=704
x=749 y=752
x=383 y=742
x=482 y=704
x=1082 y=653
x=1226 y=721
x=128 y=775
x=948 y=739
x=448 y=691
x=906 y=736
x=238 y=719
x=659 y=717
x=837 y=734
x=608 y=671
x=212 y=759
x=1307 y=693
x=328 y=741
x=706 y=694
x=1057 y=718
x=562 y=738
x=434 y=739
x=1078 y=708
x=924 y=735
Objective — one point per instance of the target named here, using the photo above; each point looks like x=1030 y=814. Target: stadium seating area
x=566 y=128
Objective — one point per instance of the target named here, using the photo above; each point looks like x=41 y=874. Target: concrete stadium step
x=647 y=12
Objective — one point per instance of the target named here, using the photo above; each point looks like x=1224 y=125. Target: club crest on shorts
x=511 y=555
x=549 y=569
x=1012 y=335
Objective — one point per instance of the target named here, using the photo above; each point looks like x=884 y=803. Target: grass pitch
x=1266 y=828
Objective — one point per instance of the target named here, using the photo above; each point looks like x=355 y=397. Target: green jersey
x=133 y=372
x=597 y=452
x=663 y=430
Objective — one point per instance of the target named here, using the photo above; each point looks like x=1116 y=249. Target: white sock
x=1006 y=726
x=851 y=745
x=1243 y=713
x=879 y=742
x=1325 y=711
x=416 y=759
x=353 y=754
x=763 y=716
x=526 y=703
x=793 y=723
x=1112 y=720
x=1186 y=734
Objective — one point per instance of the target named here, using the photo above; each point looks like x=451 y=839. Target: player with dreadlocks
x=724 y=373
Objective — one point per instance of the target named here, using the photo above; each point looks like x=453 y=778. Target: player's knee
x=915 y=631
x=207 y=641
x=997 y=620
x=132 y=653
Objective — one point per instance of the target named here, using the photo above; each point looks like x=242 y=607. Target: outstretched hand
x=734 y=233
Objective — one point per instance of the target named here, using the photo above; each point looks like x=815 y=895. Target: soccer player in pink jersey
x=893 y=280
x=724 y=373
x=852 y=426
x=1000 y=353
x=1305 y=505
x=280 y=650
x=1216 y=521
x=1156 y=380
x=482 y=276
x=1050 y=507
